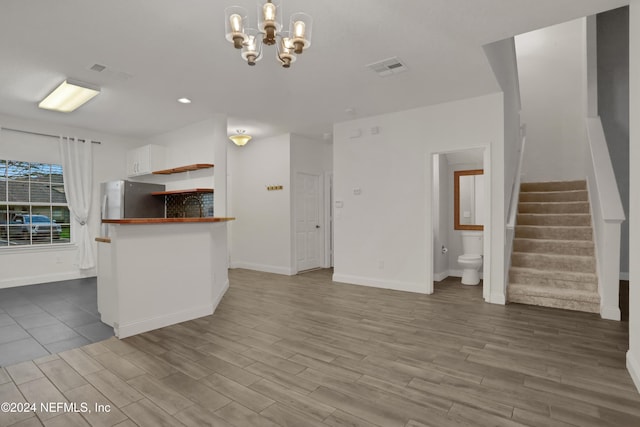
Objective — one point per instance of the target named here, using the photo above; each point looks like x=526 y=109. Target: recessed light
x=184 y=100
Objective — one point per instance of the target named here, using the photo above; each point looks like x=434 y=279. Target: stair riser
x=555 y=303
x=554 y=196
x=570 y=220
x=551 y=281
x=554 y=208
x=559 y=263
x=553 y=186
x=556 y=233
x=553 y=247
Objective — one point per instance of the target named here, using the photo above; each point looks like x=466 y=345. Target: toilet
x=471 y=260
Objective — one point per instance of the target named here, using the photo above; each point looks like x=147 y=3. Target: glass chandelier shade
x=269 y=32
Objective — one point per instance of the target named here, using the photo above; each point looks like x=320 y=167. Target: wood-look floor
x=303 y=351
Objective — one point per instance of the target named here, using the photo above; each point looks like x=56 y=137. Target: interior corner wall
x=260 y=237
x=27 y=266
x=613 y=106
x=383 y=183
x=633 y=355
x=551 y=64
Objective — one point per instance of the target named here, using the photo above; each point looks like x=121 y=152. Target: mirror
x=468 y=199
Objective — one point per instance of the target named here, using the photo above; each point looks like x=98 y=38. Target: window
x=33 y=206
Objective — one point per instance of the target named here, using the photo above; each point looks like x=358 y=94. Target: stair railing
x=607 y=215
x=513 y=205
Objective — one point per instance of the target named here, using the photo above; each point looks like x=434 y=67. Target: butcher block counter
x=156 y=272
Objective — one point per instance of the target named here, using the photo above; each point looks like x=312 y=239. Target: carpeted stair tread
x=553 y=279
x=562 y=232
x=554 y=262
x=554 y=196
x=568 y=299
x=562 y=219
x=553 y=186
x=553 y=207
x=554 y=246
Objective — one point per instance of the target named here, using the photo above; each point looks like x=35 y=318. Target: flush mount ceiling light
x=70 y=95
x=240 y=138
x=250 y=40
x=184 y=100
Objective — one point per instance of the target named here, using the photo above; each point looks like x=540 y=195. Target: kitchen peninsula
x=156 y=272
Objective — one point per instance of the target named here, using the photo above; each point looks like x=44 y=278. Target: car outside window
x=33 y=205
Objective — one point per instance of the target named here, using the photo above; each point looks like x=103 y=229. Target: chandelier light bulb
x=236 y=23
x=269 y=10
x=298 y=29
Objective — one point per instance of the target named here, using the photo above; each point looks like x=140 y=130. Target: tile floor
x=38 y=320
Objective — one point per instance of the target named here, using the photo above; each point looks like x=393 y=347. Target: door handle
x=317 y=226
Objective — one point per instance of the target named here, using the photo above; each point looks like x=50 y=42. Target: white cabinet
x=146 y=159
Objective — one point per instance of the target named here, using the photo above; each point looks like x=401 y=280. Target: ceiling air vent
x=388 y=67
x=97 y=67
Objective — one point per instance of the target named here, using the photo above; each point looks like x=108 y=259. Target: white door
x=309 y=233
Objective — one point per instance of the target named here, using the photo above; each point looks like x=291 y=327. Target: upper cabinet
x=144 y=160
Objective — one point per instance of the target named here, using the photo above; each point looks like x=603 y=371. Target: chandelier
x=269 y=32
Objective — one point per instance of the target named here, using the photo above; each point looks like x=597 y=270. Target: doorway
x=447 y=239
x=309 y=233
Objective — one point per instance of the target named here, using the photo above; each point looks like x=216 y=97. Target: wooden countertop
x=165 y=220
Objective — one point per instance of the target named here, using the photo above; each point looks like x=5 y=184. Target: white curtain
x=77 y=171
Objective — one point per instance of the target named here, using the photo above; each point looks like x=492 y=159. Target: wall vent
x=388 y=67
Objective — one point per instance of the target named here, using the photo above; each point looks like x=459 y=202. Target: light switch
x=357 y=191
x=339 y=204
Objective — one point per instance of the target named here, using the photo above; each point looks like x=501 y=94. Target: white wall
x=260 y=237
x=551 y=65
x=633 y=356
x=383 y=235
x=24 y=266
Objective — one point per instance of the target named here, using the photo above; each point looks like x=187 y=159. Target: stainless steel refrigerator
x=128 y=199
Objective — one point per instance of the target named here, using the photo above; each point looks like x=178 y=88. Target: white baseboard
x=610 y=313
x=381 y=283
x=437 y=277
x=458 y=273
x=218 y=298
x=129 y=329
x=46 y=278
x=287 y=271
x=633 y=366
x=624 y=275
x=498 y=298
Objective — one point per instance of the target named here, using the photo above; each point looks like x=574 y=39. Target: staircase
x=553 y=262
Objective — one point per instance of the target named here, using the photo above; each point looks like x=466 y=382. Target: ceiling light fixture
x=288 y=43
x=70 y=95
x=240 y=138
x=184 y=100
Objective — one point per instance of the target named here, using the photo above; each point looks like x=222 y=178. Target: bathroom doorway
x=460 y=203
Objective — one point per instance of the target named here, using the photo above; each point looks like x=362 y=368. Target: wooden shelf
x=190 y=191
x=181 y=169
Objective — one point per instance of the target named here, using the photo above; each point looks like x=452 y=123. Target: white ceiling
x=157 y=51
